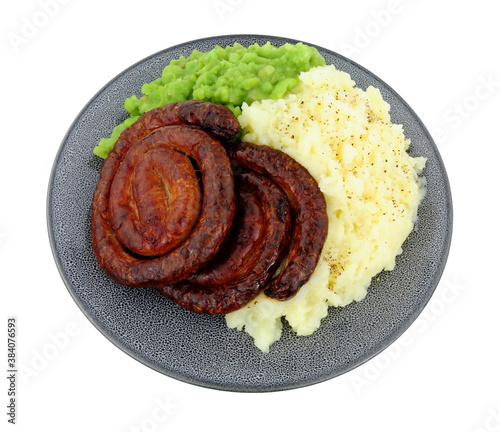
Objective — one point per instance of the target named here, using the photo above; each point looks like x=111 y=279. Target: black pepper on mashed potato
x=344 y=137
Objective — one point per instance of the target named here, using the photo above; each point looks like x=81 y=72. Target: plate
x=201 y=349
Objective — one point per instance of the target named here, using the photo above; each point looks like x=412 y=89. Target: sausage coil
x=211 y=248
x=169 y=127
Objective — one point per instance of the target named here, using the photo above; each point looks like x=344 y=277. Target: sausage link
x=247 y=262
x=151 y=131
x=309 y=216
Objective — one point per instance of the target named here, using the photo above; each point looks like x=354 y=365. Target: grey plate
x=200 y=349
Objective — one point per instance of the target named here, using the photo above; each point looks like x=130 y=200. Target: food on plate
x=344 y=137
x=229 y=76
x=302 y=199
x=172 y=127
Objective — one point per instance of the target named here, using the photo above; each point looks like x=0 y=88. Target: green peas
x=231 y=76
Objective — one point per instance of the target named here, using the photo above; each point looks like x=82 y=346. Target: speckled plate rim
x=368 y=355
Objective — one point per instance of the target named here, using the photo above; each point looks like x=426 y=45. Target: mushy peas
x=345 y=138
x=229 y=76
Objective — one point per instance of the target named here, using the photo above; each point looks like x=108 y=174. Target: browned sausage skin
x=153 y=131
x=247 y=262
x=154 y=201
x=248 y=229
x=309 y=216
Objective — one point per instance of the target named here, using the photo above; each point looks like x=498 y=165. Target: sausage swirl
x=152 y=225
x=246 y=263
x=156 y=130
x=147 y=221
x=309 y=216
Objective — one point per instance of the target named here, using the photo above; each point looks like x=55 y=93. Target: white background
x=441 y=57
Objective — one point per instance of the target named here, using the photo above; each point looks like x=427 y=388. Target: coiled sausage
x=161 y=128
x=143 y=237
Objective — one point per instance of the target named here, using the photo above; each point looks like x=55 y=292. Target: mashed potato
x=345 y=138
